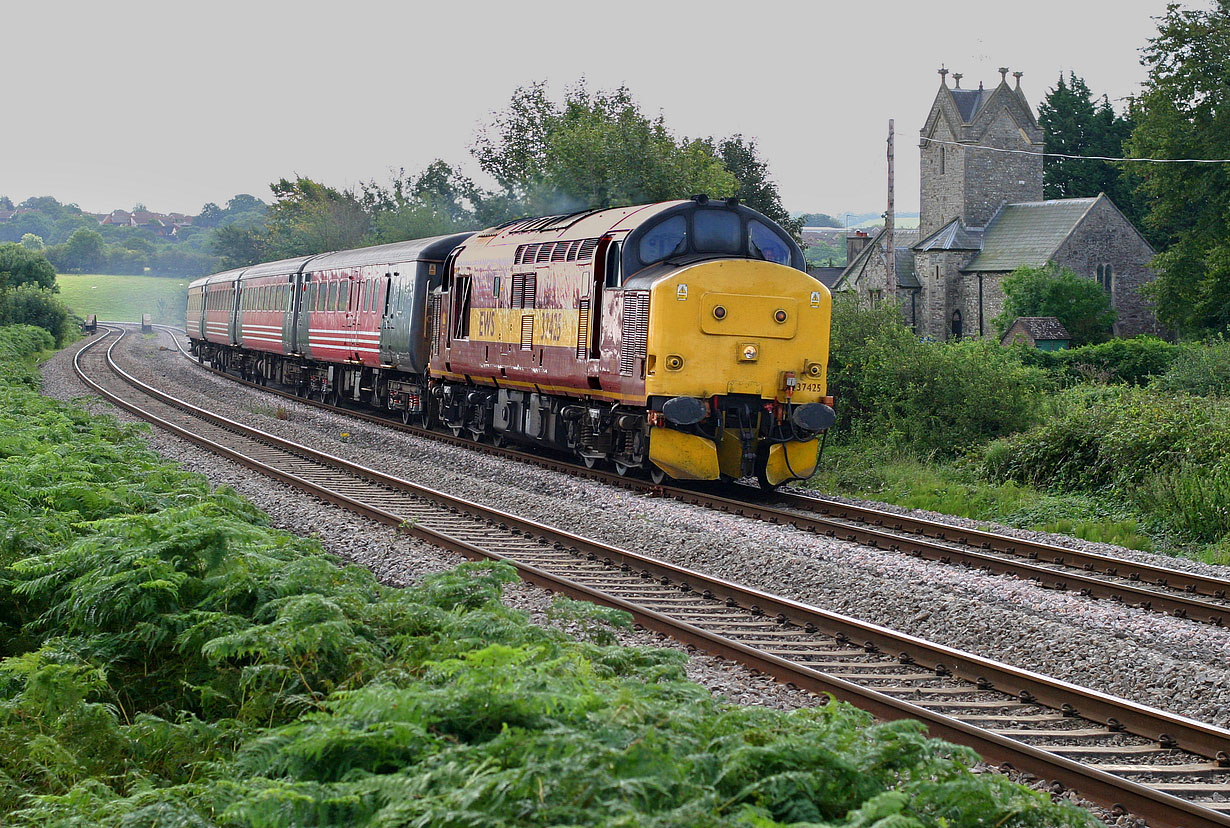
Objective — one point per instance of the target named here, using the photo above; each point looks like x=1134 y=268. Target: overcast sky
x=176 y=104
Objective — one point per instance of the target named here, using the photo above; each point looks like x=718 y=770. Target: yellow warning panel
x=789 y=460
x=683 y=456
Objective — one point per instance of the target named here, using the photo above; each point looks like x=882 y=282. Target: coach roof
x=434 y=249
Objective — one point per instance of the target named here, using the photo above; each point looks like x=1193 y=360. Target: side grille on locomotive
x=527 y=332
x=433 y=322
x=518 y=289
x=587 y=250
x=583 y=328
x=529 y=291
x=635 y=330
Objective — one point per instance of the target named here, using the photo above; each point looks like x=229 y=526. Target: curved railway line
x=1182 y=594
x=1168 y=769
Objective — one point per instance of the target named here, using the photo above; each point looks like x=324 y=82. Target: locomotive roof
x=435 y=248
x=584 y=224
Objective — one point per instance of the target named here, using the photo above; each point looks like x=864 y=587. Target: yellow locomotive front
x=735 y=371
x=737 y=346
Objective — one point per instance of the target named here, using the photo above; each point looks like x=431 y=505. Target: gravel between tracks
x=1171 y=663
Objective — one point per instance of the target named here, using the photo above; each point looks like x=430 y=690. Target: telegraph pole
x=890 y=253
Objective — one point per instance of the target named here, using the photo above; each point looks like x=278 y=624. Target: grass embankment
x=166 y=658
x=1127 y=442
x=125 y=298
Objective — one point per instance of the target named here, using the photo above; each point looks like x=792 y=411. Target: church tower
x=960 y=181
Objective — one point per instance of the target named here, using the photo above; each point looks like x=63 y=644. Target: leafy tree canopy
x=1082 y=305
x=1184 y=112
x=83 y=252
x=6 y=203
x=820 y=220
x=598 y=149
x=1077 y=124
x=20 y=265
x=32 y=242
x=593 y=150
x=437 y=201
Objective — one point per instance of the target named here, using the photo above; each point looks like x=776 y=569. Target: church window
x=1105 y=277
x=874 y=295
x=943 y=152
x=956 y=324
x=937 y=271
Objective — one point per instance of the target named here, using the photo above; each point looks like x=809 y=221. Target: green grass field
x=125 y=298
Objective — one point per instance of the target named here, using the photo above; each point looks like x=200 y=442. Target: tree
x=819 y=220
x=755 y=188
x=1076 y=124
x=1184 y=112
x=438 y=200
x=22 y=266
x=6 y=203
x=210 y=215
x=1082 y=305
x=30 y=304
x=308 y=217
x=593 y=150
x=83 y=252
x=32 y=242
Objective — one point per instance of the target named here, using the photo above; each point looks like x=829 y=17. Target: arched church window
x=956 y=324
x=1106 y=277
x=943 y=152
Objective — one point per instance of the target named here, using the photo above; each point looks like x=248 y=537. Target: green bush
x=927 y=397
x=1203 y=370
x=34 y=305
x=1131 y=361
x=170 y=659
x=1164 y=454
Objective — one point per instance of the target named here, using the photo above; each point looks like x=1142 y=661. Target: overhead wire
x=1082 y=157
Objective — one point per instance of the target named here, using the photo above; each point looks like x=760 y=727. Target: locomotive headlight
x=719 y=312
x=749 y=352
x=780 y=315
x=814 y=369
x=674 y=362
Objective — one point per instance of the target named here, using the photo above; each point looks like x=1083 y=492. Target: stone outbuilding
x=983 y=215
x=1046 y=333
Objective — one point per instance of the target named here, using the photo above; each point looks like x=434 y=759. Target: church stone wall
x=995 y=178
x=943 y=182
x=1106 y=237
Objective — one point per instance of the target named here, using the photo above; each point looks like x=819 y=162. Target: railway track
x=1175 y=592
x=1171 y=770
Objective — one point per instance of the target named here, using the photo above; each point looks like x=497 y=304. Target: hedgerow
x=1167 y=454
x=931 y=398
x=172 y=660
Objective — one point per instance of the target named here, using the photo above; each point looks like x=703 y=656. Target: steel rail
x=1168 y=729
x=920 y=537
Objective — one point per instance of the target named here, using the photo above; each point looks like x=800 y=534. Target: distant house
x=159 y=224
x=5 y=215
x=1046 y=333
x=983 y=216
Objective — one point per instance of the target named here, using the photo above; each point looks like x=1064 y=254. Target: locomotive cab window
x=614 y=269
x=764 y=243
x=716 y=231
x=669 y=237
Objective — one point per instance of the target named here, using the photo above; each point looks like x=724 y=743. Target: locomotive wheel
x=406 y=416
x=499 y=440
x=456 y=430
x=589 y=462
x=622 y=469
x=657 y=475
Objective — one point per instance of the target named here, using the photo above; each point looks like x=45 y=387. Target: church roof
x=903 y=240
x=969 y=101
x=1028 y=233
x=1039 y=328
x=952 y=236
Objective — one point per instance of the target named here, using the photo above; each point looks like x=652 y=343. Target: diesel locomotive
x=682 y=338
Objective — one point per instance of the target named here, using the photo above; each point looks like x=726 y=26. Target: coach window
x=668 y=238
x=716 y=231
x=763 y=242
